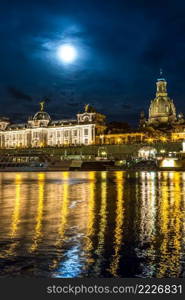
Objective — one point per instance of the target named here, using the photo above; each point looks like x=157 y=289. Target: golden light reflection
x=38 y=226
x=64 y=207
x=170 y=216
x=183 y=206
x=54 y=213
x=15 y=218
x=103 y=222
x=91 y=216
x=163 y=222
x=64 y=211
x=119 y=223
x=16 y=212
x=145 y=225
x=148 y=207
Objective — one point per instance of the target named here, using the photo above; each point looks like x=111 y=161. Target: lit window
x=66 y=133
x=86 y=131
x=75 y=132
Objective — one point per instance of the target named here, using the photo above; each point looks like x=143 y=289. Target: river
x=92 y=224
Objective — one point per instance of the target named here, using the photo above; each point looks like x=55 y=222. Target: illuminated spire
x=161 y=85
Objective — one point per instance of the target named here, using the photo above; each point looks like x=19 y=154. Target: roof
x=42 y=115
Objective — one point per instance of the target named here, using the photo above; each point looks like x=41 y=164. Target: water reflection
x=118 y=224
x=92 y=224
x=102 y=226
x=39 y=216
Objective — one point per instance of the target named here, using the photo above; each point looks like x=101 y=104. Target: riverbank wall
x=124 y=151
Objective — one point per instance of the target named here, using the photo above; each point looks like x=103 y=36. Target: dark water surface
x=92 y=224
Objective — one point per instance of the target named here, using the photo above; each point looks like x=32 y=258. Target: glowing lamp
x=163 y=139
x=183 y=146
x=150 y=140
x=168 y=163
x=104 y=153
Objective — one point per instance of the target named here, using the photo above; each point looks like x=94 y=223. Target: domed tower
x=41 y=118
x=162 y=108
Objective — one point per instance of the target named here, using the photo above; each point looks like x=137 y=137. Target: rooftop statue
x=89 y=108
x=42 y=103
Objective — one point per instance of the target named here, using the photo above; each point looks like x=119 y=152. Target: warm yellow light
x=162 y=151
x=150 y=140
x=120 y=214
x=103 y=153
x=39 y=218
x=168 y=162
x=183 y=146
x=163 y=139
x=91 y=215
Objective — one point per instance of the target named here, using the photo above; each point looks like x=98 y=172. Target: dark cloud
x=46 y=99
x=74 y=104
x=18 y=94
x=127 y=106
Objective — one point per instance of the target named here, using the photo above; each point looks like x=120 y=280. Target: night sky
x=121 y=45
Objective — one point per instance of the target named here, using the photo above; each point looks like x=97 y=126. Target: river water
x=92 y=224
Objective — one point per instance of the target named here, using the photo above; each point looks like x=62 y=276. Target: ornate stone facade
x=41 y=131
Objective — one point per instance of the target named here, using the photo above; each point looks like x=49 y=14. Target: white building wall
x=49 y=136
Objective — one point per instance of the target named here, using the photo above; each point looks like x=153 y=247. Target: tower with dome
x=162 y=108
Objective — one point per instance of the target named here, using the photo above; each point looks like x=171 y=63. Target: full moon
x=66 y=53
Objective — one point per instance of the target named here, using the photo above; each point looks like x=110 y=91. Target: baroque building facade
x=41 y=131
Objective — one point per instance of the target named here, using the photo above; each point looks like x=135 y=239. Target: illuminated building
x=162 y=118
x=89 y=128
x=162 y=108
x=121 y=138
x=41 y=131
x=178 y=136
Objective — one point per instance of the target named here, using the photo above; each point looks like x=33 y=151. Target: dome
x=42 y=115
x=160 y=106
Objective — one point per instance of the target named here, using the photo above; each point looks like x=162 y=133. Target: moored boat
x=23 y=167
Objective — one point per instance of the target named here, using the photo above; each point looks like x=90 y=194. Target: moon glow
x=67 y=53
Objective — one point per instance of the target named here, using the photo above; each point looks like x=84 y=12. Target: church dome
x=41 y=115
x=162 y=108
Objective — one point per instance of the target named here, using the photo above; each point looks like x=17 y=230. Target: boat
x=23 y=167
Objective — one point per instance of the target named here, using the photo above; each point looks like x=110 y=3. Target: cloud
x=74 y=104
x=126 y=106
x=18 y=94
